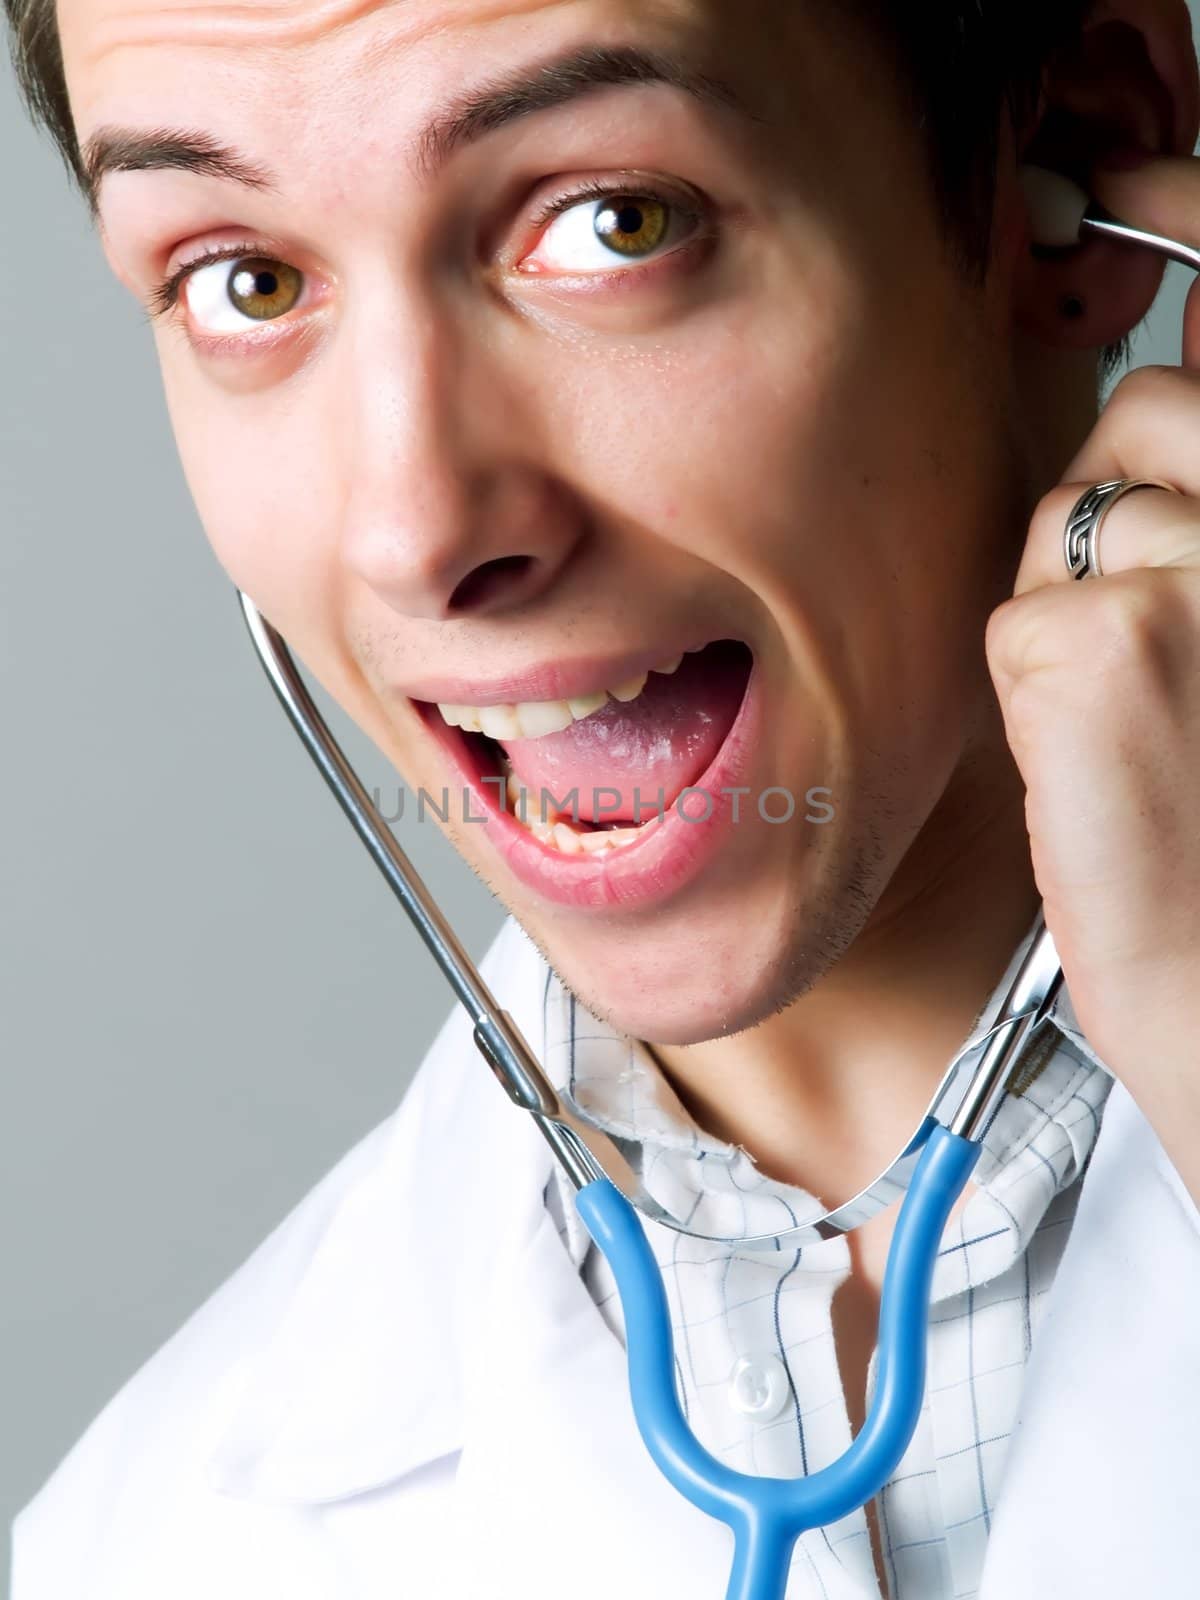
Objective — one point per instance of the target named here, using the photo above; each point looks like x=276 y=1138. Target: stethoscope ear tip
x=1057 y=207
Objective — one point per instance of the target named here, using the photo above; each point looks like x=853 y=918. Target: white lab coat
x=407 y=1392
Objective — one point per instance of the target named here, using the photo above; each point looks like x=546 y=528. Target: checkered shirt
x=783 y=1412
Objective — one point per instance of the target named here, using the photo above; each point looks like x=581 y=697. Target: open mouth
x=595 y=775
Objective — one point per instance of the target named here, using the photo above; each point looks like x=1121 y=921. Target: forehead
x=137 y=54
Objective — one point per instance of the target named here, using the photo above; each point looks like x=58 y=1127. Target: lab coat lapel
x=1101 y=1489
x=357 y=1383
x=556 y=1493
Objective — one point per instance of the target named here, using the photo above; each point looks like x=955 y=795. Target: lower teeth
x=552 y=830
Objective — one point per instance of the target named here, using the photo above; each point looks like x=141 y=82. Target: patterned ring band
x=1082 y=538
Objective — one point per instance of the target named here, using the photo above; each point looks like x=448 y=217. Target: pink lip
x=550 y=680
x=670 y=853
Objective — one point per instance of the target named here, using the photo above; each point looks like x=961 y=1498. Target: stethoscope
x=766 y=1515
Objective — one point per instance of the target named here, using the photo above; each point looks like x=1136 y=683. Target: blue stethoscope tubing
x=768 y=1515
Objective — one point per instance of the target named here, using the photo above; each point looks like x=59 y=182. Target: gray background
x=207 y=992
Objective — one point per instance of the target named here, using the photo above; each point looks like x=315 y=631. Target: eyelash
x=164 y=297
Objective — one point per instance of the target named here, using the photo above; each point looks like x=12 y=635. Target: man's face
x=460 y=449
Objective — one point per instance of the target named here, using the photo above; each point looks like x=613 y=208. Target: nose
x=449 y=512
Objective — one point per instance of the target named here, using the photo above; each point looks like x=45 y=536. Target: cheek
x=260 y=489
x=713 y=443
x=806 y=455
x=263 y=473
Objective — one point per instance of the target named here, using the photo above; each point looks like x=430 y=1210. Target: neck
x=826 y=1093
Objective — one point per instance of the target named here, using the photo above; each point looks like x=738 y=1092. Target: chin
x=714 y=969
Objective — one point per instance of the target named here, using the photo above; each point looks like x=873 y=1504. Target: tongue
x=664 y=740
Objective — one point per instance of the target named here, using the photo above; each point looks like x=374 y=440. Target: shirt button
x=759 y=1387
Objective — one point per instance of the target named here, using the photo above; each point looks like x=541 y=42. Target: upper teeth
x=534 y=719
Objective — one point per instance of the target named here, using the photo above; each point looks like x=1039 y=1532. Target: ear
x=1128 y=85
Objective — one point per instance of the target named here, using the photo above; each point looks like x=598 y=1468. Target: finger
x=1148 y=429
x=1162 y=197
x=1147 y=528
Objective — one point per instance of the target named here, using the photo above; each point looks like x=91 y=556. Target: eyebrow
x=482 y=111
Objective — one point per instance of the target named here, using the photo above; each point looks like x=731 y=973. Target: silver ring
x=1082 y=538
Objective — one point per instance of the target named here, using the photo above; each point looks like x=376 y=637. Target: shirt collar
x=1037 y=1145
x=345 y=1378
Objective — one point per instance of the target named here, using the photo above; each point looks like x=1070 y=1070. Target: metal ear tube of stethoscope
x=1098 y=224
x=496 y=1035
x=1033 y=992
x=585 y=1154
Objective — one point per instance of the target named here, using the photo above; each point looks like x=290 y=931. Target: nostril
x=488 y=580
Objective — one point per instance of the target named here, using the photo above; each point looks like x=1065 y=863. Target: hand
x=1099 y=683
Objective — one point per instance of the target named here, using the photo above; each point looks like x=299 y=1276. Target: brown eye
x=632 y=224
x=263 y=289
x=597 y=231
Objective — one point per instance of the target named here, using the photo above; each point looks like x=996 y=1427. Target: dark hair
x=969 y=63
x=36 y=51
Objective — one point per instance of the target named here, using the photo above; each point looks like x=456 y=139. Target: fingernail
x=1125 y=158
